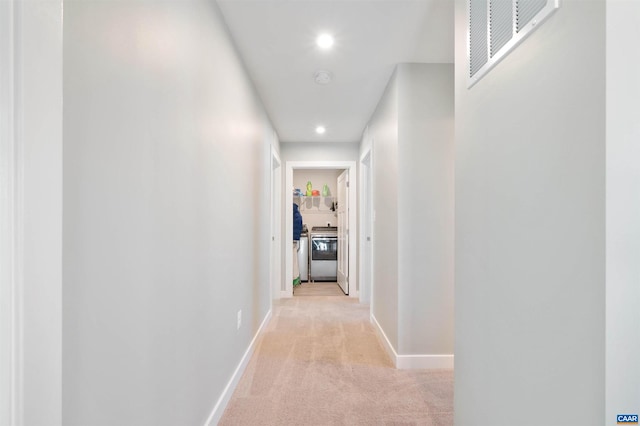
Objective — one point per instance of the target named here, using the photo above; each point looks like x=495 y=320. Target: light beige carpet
x=319 y=362
x=318 y=289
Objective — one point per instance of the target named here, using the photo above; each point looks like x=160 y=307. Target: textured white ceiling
x=276 y=39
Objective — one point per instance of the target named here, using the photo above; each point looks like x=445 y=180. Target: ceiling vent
x=322 y=77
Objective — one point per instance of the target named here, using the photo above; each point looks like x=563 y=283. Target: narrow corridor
x=319 y=362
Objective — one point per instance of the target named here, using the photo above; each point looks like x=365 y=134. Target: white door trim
x=351 y=166
x=276 y=219
x=11 y=219
x=366 y=221
x=344 y=228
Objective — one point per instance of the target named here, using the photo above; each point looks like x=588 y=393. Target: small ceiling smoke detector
x=324 y=41
x=320 y=130
x=322 y=77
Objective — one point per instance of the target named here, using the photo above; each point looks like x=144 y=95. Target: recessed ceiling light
x=320 y=130
x=325 y=41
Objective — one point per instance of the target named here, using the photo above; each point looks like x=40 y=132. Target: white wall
x=166 y=153
x=530 y=227
x=319 y=151
x=623 y=210
x=411 y=135
x=425 y=209
x=383 y=131
x=41 y=133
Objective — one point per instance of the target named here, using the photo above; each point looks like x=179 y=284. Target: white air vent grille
x=500 y=24
x=526 y=10
x=495 y=27
x=478 y=20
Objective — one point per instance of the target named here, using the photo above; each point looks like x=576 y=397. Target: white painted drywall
x=38 y=91
x=166 y=181
x=411 y=136
x=383 y=130
x=319 y=151
x=425 y=209
x=530 y=227
x=623 y=210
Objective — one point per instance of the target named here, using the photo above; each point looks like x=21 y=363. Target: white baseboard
x=388 y=347
x=218 y=410
x=408 y=362
x=427 y=362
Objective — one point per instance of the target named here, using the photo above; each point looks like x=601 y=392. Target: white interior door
x=343 y=231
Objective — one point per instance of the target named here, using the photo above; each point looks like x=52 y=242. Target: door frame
x=365 y=226
x=341 y=236
x=351 y=167
x=275 y=268
x=11 y=219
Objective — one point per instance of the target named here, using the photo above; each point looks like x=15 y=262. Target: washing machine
x=303 y=256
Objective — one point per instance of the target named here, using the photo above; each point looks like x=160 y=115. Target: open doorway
x=329 y=214
x=322 y=252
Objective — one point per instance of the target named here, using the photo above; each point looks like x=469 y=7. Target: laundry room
x=314 y=191
x=317 y=250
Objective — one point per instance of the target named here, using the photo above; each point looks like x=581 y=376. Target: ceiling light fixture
x=321 y=130
x=324 y=41
x=322 y=77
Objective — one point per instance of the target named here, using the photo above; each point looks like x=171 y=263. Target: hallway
x=319 y=362
x=142 y=186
